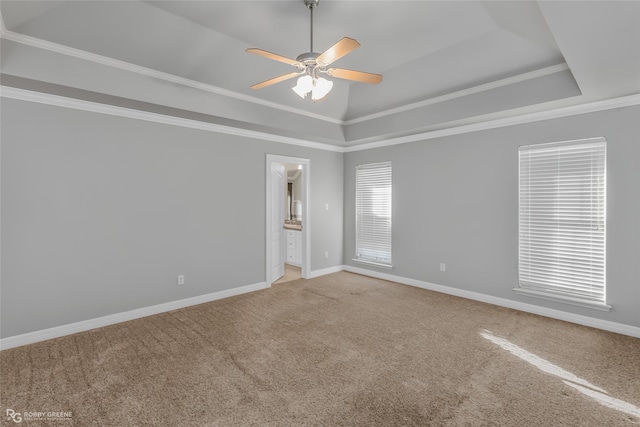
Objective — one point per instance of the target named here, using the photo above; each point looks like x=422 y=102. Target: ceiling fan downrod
x=307 y=60
x=311 y=4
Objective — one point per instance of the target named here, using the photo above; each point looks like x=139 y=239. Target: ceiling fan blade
x=274 y=80
x=338 y=50
x=359 y=76
x=273 y=56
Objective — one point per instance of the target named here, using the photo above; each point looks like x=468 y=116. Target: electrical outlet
x=181 y=280
x=326 y=255
x=443 y=266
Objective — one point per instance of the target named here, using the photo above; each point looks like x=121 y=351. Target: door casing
x=306 y=217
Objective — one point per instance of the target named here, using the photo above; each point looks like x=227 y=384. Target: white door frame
x=278 y=249
x=306 y=218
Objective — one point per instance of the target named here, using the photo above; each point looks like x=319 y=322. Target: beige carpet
x=339 y=350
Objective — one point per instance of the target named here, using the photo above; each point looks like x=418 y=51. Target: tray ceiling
x=444 y=63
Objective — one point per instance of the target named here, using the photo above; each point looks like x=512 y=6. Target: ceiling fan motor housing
x=311 y=65
x=307 y=57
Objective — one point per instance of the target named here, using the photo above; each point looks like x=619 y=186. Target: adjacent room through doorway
x=287 y=219
x=291 y=273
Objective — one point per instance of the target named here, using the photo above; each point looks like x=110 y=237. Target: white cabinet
x=294 y=247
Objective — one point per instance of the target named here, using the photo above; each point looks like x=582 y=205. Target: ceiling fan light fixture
x=304 y=86
x=321 y=87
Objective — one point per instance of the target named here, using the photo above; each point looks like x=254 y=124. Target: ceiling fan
x=310 y=65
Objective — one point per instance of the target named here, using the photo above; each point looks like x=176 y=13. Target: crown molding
x=78 y=104
x=127 y=66
x=60 y=101
x=465 y=92
x=574 y=110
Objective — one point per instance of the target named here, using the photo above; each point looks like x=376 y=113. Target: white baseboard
x=85 y=325
x=59 y=331
x=606 y=325
x=324 y=271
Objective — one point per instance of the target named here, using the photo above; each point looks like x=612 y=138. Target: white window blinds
x=562 y=219
x=373 y=213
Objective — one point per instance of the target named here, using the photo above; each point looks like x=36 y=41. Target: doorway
x=291 y=273
x=287 y=218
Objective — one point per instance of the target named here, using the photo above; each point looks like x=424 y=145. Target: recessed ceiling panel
x=194 y=51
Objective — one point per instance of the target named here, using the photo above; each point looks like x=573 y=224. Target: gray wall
x=455 y=200
x=101 y=213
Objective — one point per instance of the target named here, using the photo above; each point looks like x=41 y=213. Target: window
x=373 y=213
x=562 y=204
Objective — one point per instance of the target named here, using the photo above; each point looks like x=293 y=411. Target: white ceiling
x=444 y=63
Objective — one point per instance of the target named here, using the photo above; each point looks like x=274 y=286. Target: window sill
x=373 y=263
x=566 y=300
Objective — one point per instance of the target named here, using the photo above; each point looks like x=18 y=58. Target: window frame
x=380 y=241
x=594 y=150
